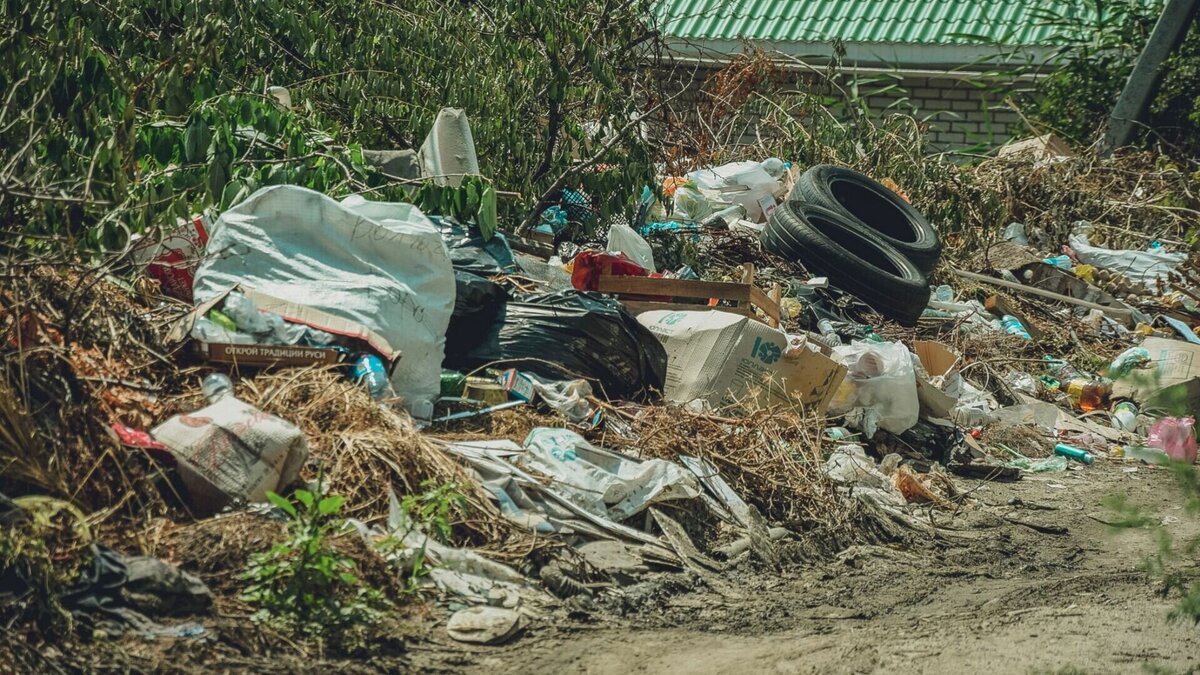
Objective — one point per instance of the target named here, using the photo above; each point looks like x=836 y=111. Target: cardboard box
x=939 y=363
x=1175 y=362
x=269 y=355
x=727 y=358
x=286 y=355
x=518 y=385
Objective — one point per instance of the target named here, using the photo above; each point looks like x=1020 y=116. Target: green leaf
x=487 y=213
x=281 y=504
x=305 y=497
x=196 y=140
x=330 y=504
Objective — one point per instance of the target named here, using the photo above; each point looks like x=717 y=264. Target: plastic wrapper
x=573 y=334
x=589 y=265
x=1174 y=436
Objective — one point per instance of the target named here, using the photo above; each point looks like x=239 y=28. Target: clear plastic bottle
x=216 y=386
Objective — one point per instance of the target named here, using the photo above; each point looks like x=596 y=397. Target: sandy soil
x=988 y=596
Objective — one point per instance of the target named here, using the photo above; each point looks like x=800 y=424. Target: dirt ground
x=987 y=596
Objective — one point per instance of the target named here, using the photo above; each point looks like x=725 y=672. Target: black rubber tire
x=855 y=259
x=872 y=205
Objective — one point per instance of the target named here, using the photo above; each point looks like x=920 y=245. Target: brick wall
x=960 y=113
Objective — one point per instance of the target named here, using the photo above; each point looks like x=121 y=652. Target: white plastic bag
x=622 y=239
x=603 y=482
x=381 y=265
x=881 y=381
x=1146 y=267
x=745 y=183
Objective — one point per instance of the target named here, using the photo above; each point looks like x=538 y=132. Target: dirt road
x=989 y=596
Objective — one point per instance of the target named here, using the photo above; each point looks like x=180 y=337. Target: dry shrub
x=77 y=354
x=1135 y=196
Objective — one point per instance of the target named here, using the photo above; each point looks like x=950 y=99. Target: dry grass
x=772 y=458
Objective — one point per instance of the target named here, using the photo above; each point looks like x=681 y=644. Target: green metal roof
x=919 y=22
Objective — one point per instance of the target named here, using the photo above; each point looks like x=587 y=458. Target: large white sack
x=379 y=264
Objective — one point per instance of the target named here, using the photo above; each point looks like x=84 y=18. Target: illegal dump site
x=306 y=366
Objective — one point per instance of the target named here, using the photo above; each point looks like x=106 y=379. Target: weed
x=302 y=583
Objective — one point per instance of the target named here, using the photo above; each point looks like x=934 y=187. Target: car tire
x=855 y=259
x=871 y=205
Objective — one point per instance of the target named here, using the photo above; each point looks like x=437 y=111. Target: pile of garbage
x=609 y=409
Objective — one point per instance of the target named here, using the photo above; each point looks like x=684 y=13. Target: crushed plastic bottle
x=721 y=220
x=828 y=335
x=369 y=370
x=943 y=293
x=216 y=386
x=1143 y=453
x=1013 y=326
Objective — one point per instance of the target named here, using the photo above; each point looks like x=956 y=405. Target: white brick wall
x=959 y=113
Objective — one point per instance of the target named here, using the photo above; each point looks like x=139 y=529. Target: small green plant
x=429 y=512
x=1163 y=565
x=302 y=583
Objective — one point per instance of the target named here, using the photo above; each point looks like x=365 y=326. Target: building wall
x=961 y=113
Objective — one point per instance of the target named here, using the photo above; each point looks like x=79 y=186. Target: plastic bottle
x=1012 y=325
x=722 y=219
x=215 y=386
x=369 y=369
x=1088 y=394
x=1061 y=370
x=1074 y=453
x=870 y=334
x=1125 y=415
x=828 y=334
x=1144 y=454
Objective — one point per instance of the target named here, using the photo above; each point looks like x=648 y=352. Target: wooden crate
x=637 y=294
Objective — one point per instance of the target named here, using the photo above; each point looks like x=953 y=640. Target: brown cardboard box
x=285 y=355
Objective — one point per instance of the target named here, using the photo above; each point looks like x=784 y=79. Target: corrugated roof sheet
x=926 y=22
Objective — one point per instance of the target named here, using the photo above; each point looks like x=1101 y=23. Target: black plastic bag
x=577 y=334
x=477 y=306
x=470 y=253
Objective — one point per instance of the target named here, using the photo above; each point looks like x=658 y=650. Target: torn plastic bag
x=469 y=252
x=477 y=305
x=380 y=265
x=1146 y=267
x=121 y=587
x=603 y=482
x=573 y=334
x=881 y=382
